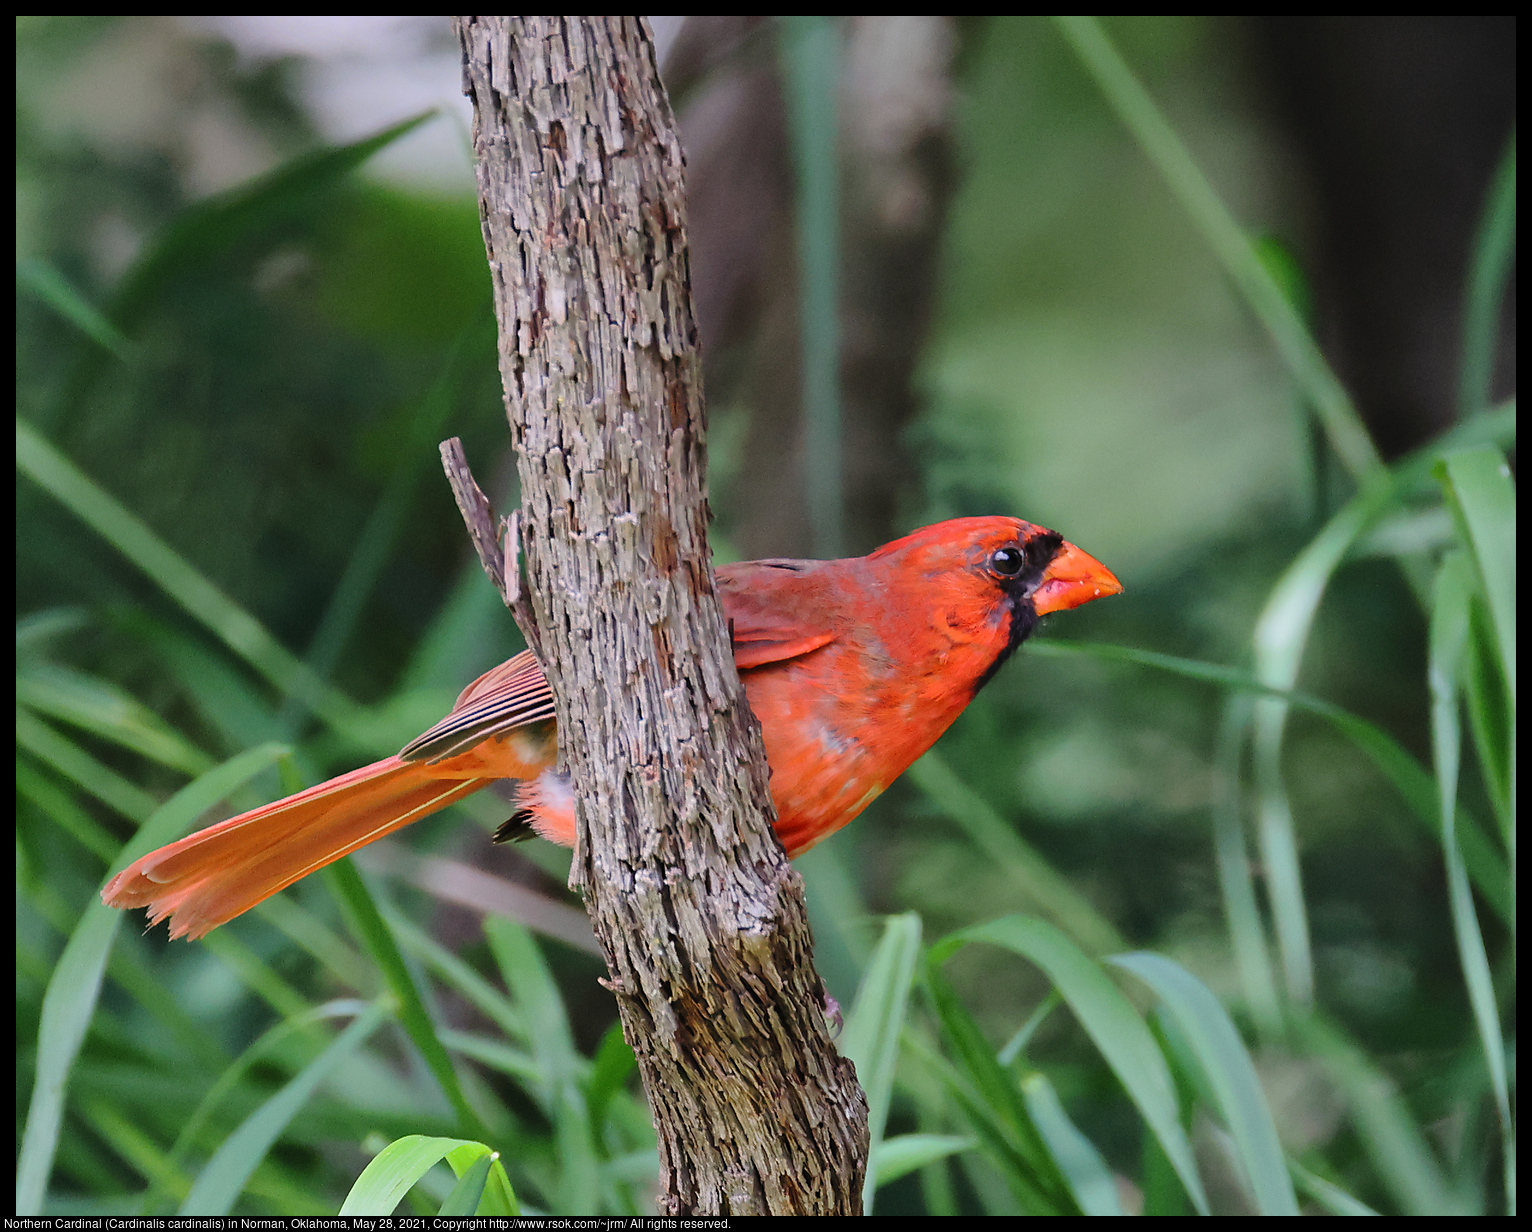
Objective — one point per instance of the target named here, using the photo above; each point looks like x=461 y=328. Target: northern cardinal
x=853 y=667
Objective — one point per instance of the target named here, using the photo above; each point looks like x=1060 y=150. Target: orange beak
x=1071 y=580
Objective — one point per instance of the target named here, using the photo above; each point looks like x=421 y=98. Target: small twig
x=498 y=553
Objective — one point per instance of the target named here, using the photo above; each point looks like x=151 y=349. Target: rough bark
x=699 y=914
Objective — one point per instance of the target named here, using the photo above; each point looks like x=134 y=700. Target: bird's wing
x=776 y=610
x=515 y=694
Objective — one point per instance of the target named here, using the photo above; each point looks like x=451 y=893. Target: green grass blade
x=1281 y=636
x=36 y=630
x=103 y=709
x=875 y=1024
x=1491 y=715
x=1448 y=649
x=177 y=815
x=49 y=469
x=1483 y=499
x=1413 y=782
x=1334 y=1199
x=1494 y=251
x=494 y=1053
x=1229 y=242
x=231 y=700
x=614 y=1062
x=1112 y=1024
x=1247 y=932
x=53 y=289
x=1042 y=888
x=1016 y=1046
x=307 y=931
x=398 y=1166
x=839 y=919
x=234 y=1073
x=538 y=1000
x=811 y=82
x=57 y=804
x=393 y=1170
x=462 y=978
x=1397 y=1147
x=135 y=1146
x=370 y=929
x=222 y=1180
x=79 y=767
x=376 y=541
x=240 y=215
x=465 y=1195
x=67 y=1007
x=72 y=992
x=256 y=975
x=1223 y=1060
x=991 y=1102
x=1078 y=1159
x=900 y=1155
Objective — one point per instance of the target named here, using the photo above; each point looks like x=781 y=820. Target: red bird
x=853 y=667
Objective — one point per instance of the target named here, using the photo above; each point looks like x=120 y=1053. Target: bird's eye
x=1007 y=562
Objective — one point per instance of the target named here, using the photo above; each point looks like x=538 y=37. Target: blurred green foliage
x=259 y=371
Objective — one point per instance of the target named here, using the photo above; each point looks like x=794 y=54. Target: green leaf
x=1388 y=1131
x=68 y=1005
x=495 y=1054
x=1229 y=1072
x=59 y=806
x=993 y=1108
x=1413 y=782
x=547 y=1024
x=465 y=1195
x=459 y=976
x=1032 y=876
x=50 y=286
x=497 y=1197
x=1281 y=636
x=991 y=1101
x=1332 y=1197
x=904 y=1153
x=371 y=930
x=1089 y=1177
x=234 y=1073
x=223 y=1179
x=871 y=1037
x=1247 y=932
x=75 y=985
x=1229 y=242
x=167 y=568
x=614 y=1063
x=243 y=214
x=373 y=546
x=1483 y=499
x=1111 y=1022
x=104 y=709
x=35 y=631
x=1449 y=637
x=1494 y=252
x=394 y=1169
x=79 y=767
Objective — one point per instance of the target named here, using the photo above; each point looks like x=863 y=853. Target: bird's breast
x=840 y=725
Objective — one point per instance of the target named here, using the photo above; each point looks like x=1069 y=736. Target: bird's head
x=996 y=576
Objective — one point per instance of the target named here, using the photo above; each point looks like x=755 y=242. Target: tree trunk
x=699 y=914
